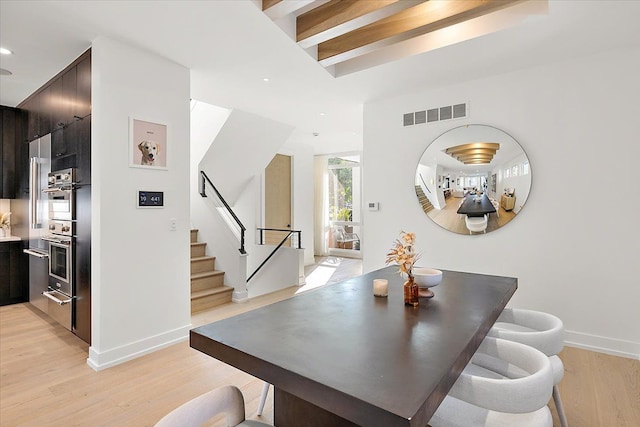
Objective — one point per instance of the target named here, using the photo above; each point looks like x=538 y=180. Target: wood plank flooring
x=45 y=381
x=449 y=219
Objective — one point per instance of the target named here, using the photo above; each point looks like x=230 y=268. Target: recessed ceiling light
x=4 y=72
x=266 y=79
x=5 y=51
x=322 y=114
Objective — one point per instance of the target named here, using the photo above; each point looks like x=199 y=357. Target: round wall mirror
x=473 y=179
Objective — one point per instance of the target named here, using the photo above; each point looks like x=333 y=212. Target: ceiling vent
x=457 y=111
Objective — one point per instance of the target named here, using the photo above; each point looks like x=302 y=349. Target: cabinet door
x=45 y=109
x=69 y=90
x=56 y=105
x=33 y=118
x=8 y=127
x=82 y=317
x=5 y=272
x=83 y=88
x=14 y=280
x=83 y=150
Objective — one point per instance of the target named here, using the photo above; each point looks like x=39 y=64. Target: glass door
x=344 y=205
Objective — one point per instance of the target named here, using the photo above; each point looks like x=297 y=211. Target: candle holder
x=380 y=287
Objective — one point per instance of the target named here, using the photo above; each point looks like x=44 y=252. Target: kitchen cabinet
x=9 y=151
x=82 y=274
x=83 y=88
x=13 y=273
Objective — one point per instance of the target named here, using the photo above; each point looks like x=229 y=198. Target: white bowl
x=427 y=277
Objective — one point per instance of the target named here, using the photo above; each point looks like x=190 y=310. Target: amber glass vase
x=411 y=292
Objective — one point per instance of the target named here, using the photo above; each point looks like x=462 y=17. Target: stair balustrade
x=289 y=234
x=219 y=201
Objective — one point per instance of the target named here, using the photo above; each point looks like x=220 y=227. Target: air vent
x=449 y=112
x=408 y=119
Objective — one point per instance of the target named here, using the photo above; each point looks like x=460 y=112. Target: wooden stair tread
x=197 y=244
x=207 y=274
x=202 y=258
x=212 y=291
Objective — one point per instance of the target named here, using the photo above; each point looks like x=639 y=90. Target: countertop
x=9 y=239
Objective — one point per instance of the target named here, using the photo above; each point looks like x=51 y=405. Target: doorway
x=277 y=201
x=345 y=201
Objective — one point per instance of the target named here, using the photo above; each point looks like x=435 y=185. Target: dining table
x=340 y=356
x=476 y=205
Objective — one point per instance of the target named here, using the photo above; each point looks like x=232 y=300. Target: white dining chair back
x=505 y=384
x=539 y=330
x=194 y=413
x=476 y=223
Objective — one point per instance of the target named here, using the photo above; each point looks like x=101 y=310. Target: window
x=514 y=170
x=507 y=173
x=525 y=168
x=344 y=202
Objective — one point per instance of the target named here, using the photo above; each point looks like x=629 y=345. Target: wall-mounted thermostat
x=373 y=206
x=150 y=199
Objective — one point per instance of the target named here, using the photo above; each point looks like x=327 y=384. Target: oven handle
x=41 y=255
x=56 y=300
x=57 y=189
x=58 y=241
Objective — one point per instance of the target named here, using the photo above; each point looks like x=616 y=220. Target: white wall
x=140 y=269
x=574 y=254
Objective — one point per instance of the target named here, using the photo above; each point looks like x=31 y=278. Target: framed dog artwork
x=147 y=144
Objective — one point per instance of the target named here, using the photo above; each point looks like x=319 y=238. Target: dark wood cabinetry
x=62 y=107
x=13 y=271
x=64 y=99
x=11 y=152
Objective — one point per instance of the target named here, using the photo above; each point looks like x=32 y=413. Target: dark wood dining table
x=470 y=207
x=340 y=356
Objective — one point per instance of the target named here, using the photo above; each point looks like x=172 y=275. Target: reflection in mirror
x=473 y=179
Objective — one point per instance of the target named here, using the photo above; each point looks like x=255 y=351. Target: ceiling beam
x=421 y=19
x=494 y=146
x=338 y=17
x=276 y=9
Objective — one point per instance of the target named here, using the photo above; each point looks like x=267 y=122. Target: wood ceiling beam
x=420 y=19
x=338 y=17
x=266 y=4
x=474 y=145
x=276 y=9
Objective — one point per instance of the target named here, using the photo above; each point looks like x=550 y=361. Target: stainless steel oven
x=60 y=292
x=61 y=194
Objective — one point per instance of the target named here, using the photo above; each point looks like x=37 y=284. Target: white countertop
x=9 y=239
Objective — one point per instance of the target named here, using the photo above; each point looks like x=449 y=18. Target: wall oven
x=60 y=292
x=60 y=236
x=61 y=194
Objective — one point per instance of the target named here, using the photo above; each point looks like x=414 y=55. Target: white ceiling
x=230 y=46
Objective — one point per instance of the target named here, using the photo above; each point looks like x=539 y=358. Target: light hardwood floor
x=448 y=217
x=45 y=381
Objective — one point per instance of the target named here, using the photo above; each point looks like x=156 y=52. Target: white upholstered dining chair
x=476 y=223
x=542 y=331
x=194 y=413
x=505 y=384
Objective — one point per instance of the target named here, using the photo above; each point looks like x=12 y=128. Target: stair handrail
x=204 y=177
x=425 y=184
x=289 y=233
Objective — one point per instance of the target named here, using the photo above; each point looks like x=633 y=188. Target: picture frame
x=147 y=144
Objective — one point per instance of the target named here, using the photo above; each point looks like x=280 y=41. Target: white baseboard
x=605 y=345
x=106 y=359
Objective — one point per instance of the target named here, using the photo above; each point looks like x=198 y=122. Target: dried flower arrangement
x=402 y=253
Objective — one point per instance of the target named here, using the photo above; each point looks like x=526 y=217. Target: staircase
x=424 y=201
x=207 y=283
